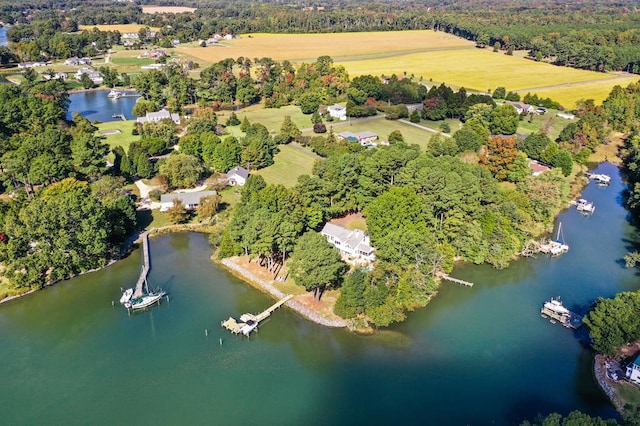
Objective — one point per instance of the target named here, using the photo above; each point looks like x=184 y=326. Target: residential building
x=237 y=176
x=633 y=371
x=537 y=168
x=337 y=111
x=190 y=200
x=24 y=65
x=363 y=138
x=94 y=75
x=163 y=114
x=522 y=108
x=354 y=245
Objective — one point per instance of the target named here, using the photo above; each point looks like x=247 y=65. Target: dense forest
x=595 y=35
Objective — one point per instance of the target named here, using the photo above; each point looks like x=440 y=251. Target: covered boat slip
x=249 y=322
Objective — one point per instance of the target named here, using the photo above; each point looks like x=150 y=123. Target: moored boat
x=555 y=310
x=114 y=94
x=126 y=296
x=145 y=300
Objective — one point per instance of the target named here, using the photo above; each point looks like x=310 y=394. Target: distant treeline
x=594 y=35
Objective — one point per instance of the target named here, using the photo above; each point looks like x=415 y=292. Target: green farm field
x=290 y=163
x=271 y=118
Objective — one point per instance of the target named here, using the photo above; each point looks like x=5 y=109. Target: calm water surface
x=96 y=106
x=479 y=356
x=3 y=36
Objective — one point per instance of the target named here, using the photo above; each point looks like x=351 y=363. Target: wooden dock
x=456 y=280
x=568 y=319
x=249 y=322
x=139 y=291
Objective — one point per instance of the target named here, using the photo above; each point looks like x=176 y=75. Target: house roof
x=367 y=134
x=238 y=171
x=354 y=238
x=186 y=197
x=346 y=135
x=636 y=361
x=537 y=167
x=337 y=107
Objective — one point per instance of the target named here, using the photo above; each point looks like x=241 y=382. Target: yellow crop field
x=597 y=90
x=478 y=69
x=308 y=47
x=123 y=28
x=167 y=9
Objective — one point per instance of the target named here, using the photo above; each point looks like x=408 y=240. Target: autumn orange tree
x=500 y=156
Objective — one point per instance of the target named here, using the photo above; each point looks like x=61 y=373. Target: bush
x=155 y=194
x=319 y=128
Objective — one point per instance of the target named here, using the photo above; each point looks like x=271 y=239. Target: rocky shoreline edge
x=268 y=288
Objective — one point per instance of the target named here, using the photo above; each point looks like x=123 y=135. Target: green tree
x=182 y=170
x=504 y=120
x=534 y=144
x=351 y=302
x=208 y=207
x=177 y=212
x=289 y=129
x=316 y=264
x=564 y=161
x=499 y=93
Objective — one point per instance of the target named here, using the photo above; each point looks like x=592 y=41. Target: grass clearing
x=382 y=127
x=290 y=163
x=124 y=138
x=556 y=124
x=271 y=118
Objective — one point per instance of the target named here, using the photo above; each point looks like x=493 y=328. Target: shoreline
x=266 y=287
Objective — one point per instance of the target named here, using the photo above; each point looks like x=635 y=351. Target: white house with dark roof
x=337 y=111
x=354 y=245
x=522 y=108
x=633 y=371
x=154 y=117
x=237 y=176
x=190 y=200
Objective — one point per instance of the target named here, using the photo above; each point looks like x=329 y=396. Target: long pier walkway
x=249 y=322
x=456 y=280
x=139 y=291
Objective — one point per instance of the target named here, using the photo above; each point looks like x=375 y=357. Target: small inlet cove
x=476 y=355
x=97 y=105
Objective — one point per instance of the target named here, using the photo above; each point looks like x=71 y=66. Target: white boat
x=556 y=306
x=585 y=207
x=145 y=300
x=601 y=179
x=557 y=247
x=114 y=94
x=126 y=296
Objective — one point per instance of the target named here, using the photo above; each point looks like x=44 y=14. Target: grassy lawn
x=290 y=163
x=538 y=121
x=124 y=138
x=271 y=118
x=382 y=127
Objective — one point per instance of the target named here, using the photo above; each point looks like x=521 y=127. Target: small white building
x=154 y=117
x=354 y=245
x=190 y=200
x=24 y=65
x=237 y=176
x=337 y=111
x=566 y=115
x=633 y=371
x=94 y=75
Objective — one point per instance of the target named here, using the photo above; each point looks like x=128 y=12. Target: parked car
x=541 y=111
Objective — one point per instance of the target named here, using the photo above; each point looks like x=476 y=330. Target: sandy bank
x=267 y=287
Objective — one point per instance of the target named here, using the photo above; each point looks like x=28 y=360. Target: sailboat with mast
x=147 y=299
x=555 y=247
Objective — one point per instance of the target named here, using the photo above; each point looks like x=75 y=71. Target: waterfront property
x=190 y=200
x=354 y=245
x=163 y=114
x=633 y=370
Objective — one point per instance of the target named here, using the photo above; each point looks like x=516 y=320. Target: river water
x=479 y=356
x=96 y=106
x=3 y=36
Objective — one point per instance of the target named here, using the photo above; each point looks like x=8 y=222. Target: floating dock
x=249 y=322
x=554 y=310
